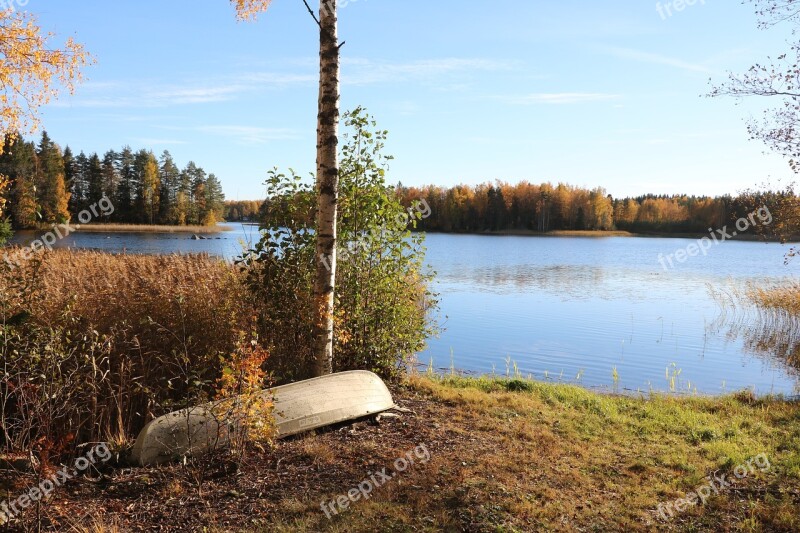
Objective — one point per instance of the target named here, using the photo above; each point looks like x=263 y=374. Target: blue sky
x=590 y=93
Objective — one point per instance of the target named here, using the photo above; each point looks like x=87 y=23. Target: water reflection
x=769 y=333
x=557 y=279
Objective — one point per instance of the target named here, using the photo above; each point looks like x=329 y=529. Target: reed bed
x=778 y=297
x=94 y=344
x=765 y=316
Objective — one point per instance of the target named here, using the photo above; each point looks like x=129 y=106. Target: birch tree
x=327 y=186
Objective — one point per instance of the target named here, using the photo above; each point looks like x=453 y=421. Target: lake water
x=570 y=309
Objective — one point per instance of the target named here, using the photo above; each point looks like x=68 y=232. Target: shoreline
x=144 y=228
x=598 y=234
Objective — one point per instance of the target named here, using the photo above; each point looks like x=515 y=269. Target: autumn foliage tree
x=5 y=226
x=32 y=72
x=51 y=186
x=778 y=80
x=544 y=207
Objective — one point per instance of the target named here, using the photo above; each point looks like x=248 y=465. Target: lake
x=600 y=312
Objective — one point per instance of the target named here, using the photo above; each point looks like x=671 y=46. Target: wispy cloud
x=360 y=71
x=117 y=95
x=195 y=95
x=654 y=59
x=279 y=80
x=138 y=94
x=559 y=98
x=251 y=134
x=158 y=142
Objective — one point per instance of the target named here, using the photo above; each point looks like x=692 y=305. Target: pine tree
x=192 y=185
x=53 y=196
x=125 y=194
x=94 y=180
x=20 y=165
x=80 y=187
x=110 y=174
x=54 y=186
x=214 y=201
x=140 y=161
x=170 y=177
x=70 y=170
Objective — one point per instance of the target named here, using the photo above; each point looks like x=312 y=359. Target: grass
x=108 y=340
x=144 y=228
x=558 y=457
x=780 y=297
x=506 y=455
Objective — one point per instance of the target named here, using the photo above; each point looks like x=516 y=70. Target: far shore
x=145 y=228
x=614 y=233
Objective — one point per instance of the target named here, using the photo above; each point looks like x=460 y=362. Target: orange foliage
x=241 y=387
x=31 y=69
x=546 y=207
x=3 y=186
x=249 y=9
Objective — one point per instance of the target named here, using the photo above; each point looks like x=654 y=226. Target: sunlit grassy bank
x=504 y=455
x=514 y=455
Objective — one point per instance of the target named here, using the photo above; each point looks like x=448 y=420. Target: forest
x=527 y=207
x=49 y=185
x=546 y=207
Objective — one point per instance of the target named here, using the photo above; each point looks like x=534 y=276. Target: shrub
x=5 y=230
x=382 y=295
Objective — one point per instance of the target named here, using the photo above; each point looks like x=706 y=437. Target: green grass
x=516 y=455
x=629 y=454
x=533 y=456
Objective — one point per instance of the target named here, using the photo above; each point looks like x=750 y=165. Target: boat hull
x=298 y=407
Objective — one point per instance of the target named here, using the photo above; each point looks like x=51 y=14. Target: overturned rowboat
x=298 y=407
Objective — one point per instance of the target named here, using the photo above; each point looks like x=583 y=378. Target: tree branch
x=314 y=16
x=311 y=12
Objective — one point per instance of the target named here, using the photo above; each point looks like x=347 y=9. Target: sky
x=607 y=94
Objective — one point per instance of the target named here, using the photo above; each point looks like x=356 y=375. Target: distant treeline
x=545 y=207
x=244 y=210
x=53 y=186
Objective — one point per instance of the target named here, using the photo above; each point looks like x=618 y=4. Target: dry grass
x=765 y=316
x=783 y=297
x=545 y=458
x=561 y=458
x=118 y=339
x=144 y=228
